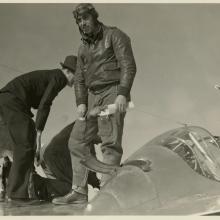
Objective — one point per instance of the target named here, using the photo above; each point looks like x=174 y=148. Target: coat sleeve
x=52 y=90
x=81 y=91
x=124 y=55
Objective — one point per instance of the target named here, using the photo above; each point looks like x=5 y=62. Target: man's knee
x=77 y=135
x=74 y=144
x=81 y=136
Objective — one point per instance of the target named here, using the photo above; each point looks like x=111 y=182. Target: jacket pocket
x=111 y=66
x=105 y=127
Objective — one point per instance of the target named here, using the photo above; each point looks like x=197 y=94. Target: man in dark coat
x=105 y=72
x=36 y=90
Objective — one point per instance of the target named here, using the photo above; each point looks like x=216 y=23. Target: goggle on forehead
x=82 y=10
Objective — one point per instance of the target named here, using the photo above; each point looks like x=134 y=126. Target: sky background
x=176 y=47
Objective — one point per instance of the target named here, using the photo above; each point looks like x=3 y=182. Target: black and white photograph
x=109 y=109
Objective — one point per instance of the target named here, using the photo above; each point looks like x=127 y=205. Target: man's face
x=86 y=23
x=70 y=77
x=5 y=161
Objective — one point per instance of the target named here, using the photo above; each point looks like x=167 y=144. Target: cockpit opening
x=198 y=148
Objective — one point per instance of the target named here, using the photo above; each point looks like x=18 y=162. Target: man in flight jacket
x=36 y=90
x=105 y=73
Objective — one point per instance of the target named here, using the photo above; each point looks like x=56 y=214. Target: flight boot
x=72 y=197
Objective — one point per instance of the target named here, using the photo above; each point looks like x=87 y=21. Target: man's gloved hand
x=81 y=109
x=121 y=103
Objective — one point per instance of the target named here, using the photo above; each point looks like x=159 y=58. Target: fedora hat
x=70 y=63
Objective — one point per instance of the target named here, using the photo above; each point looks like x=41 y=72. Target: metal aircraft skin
x=183 y=178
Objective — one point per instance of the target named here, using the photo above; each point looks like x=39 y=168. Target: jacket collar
x=98 y=35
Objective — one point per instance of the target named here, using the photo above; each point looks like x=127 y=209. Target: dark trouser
x=5 y=174
x=110 y=129
x=22 y=131
x=5 y=185
x=47 y=189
